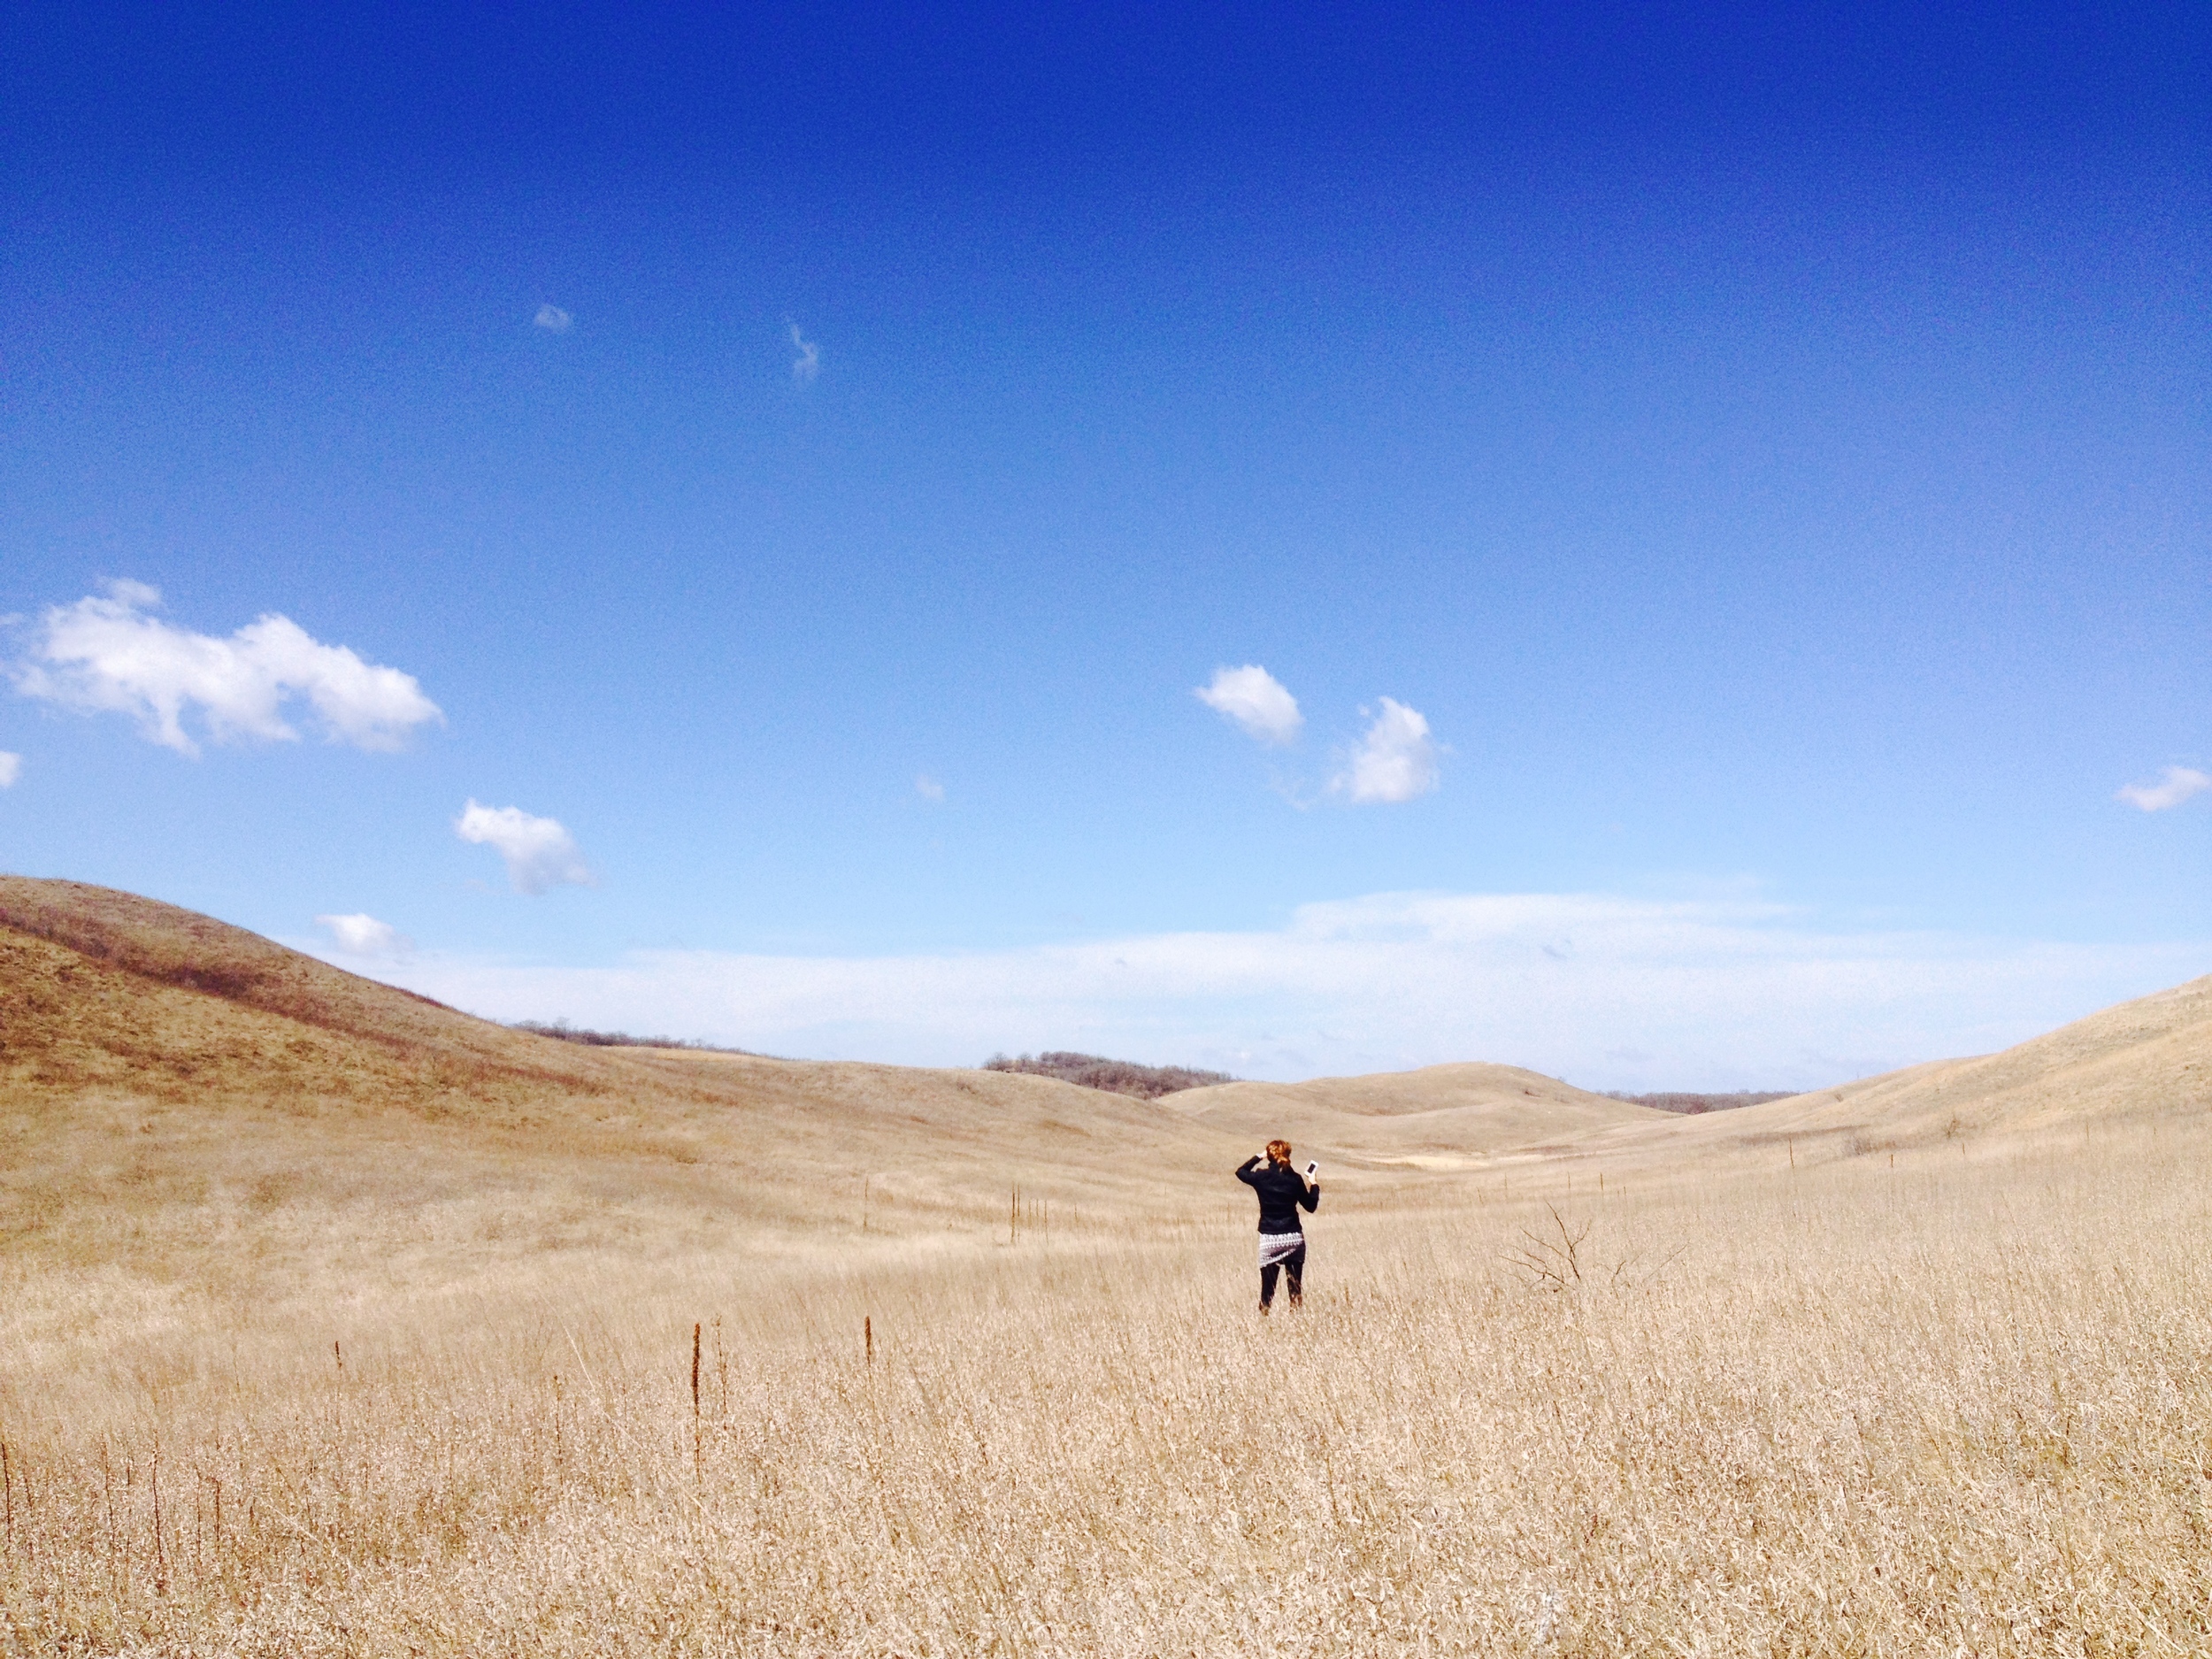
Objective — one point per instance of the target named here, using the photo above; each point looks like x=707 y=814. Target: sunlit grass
x=1963 y=1403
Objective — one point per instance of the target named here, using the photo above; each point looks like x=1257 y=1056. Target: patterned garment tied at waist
x=1280 y=1247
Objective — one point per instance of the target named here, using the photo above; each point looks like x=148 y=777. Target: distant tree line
x=562 y=1031
x=1117 y=1077
x=1692 y=1103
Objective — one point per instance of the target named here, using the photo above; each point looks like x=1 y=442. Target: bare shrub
x=1116 y=1076
x=1689 y=1105
x=561 y=1031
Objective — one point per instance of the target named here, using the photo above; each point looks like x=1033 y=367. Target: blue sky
x=813 y=464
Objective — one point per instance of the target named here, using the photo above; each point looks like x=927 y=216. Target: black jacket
x=1282 y=1192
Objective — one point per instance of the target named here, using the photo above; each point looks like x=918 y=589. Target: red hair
x=1278 y=1152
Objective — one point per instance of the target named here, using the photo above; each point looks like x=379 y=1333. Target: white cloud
x=541 y=854
x=1608 y=992
x=930 y=789
x=362 y=935
x=10 y=769
x=808 y=364
x=106 y=654
x=1256 y=700
x=553 y=319
x=2175 y=785
x=1396 y=759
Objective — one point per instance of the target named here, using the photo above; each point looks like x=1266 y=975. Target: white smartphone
x=1312 y=1169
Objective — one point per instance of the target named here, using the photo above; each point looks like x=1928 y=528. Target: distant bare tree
x=1695 y=1103
x=562 y=1031
x=1116 y=1076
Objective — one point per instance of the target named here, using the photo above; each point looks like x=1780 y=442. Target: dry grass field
x=334 y=1322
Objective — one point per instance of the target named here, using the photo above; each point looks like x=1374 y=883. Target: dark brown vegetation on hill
x=1690 y=1104
x=106 y=990
x=155 y=942
x=1116 y=1076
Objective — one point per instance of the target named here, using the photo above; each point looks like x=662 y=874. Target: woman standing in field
x=1282 y=1192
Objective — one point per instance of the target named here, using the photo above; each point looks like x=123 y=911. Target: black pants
x=1294 y=1268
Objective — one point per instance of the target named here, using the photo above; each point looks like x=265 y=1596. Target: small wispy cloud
x=808 y=364
x=1256 y=701
x=361 y=934
x=10 y=769
x=541 y=854
x=1396 y=759
x=930 y=789
x=2175 y=785
x=553 y=319
x=105 y=654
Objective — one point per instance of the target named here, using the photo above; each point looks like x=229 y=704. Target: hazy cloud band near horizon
x=1606 y=991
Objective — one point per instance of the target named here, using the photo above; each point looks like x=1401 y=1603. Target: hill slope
x=2137 y=1063
x=173 y=1088
x=206 y=1083
x=1438 y=1117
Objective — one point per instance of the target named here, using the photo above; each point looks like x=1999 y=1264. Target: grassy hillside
x=2141 y=1066
x=211 y=1090
x=1439 y=1117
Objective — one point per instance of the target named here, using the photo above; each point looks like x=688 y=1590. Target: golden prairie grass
x=1959 y=1405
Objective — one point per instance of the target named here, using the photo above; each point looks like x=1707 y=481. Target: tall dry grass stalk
x=1963 y=1406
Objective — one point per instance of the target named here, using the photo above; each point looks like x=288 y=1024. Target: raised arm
x=1309 y=1195
x=1245 y=1169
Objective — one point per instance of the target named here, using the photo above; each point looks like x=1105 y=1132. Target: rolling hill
x=1439 y=1118
x=162 y=1065
x=2135 y=1065
x=172 y=1087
